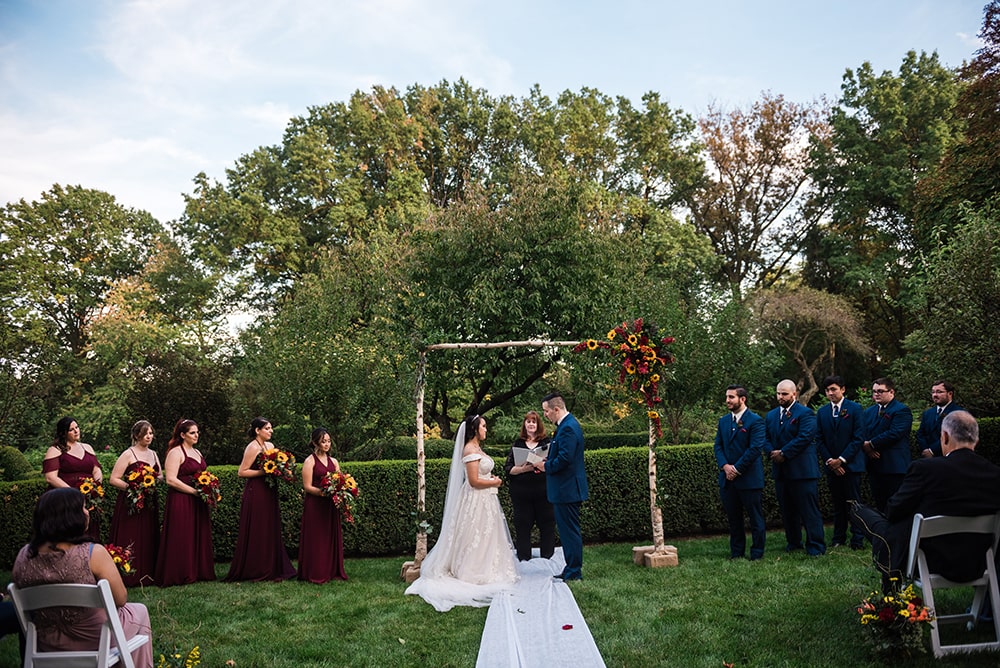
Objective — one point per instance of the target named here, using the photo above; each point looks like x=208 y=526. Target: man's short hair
x=885 y=382
x=833 y=380
x=739 y=390
x=962 y=427
x=948 y=387
x=554 y=400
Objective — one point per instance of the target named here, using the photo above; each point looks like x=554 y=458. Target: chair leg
x=928 y=591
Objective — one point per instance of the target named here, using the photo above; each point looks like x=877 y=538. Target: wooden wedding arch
x=655 y=555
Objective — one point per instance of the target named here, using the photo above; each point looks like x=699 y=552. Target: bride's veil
x=436 y=562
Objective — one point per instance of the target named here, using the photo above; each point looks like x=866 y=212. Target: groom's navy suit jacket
x=929 y=432
x=842 y=436
x=795 y=437
x=741 y=446
x=565 y=477
x=890 y=436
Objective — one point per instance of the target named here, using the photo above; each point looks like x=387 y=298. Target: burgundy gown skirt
x=321 y=541
x=260 y=549
x=185 y=553
x=141 y=531
x=73 y=471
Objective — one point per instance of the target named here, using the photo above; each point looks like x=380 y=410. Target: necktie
x=940 y=410
x=734 y=422
x=836 y=410
x=784 y=414
x=880 y=410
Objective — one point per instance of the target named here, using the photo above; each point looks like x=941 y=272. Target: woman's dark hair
x=539 y=433
x=472 y=427
x=316 y=436
x=140 y=429
x=59 y=518
x=255 y=424
x=181 y=428
x=62 y=429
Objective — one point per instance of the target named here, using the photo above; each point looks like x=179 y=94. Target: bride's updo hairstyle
x=472 y=427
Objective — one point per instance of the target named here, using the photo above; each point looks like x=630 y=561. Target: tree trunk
x=656 y=515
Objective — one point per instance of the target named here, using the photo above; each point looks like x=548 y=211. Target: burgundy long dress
x=185 y=554
x=72 y=471
x=260 y=550
x=321 y=541
x=141 y=530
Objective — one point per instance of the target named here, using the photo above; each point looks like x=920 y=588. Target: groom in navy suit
x=929 y=433
x=839 y=436
x=739 y=441
x=791 y=444
x=566 y=482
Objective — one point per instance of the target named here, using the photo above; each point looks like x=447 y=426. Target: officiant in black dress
x=527 y=489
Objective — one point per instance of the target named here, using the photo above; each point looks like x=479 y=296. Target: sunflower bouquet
x=207 y=485
x=893 y=623
x=277 y=465
x=122 y=556
x=141 y=480
x=641 y=357
x=343 y=490
x=93 y=493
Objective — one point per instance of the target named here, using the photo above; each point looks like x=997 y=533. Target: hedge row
x=618 y=509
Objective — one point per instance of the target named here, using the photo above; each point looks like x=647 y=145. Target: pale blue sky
x=136 y=97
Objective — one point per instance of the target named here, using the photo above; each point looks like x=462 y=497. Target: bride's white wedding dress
x=473 y=559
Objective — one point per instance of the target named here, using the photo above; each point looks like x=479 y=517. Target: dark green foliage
x=13 y=465
x=606 y=441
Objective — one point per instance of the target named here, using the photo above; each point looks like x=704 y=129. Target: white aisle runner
x=526 y=625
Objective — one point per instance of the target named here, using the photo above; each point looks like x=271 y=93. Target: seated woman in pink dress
x=132 y=526
x=68 y=462
x=60 y=552
x=321 y=541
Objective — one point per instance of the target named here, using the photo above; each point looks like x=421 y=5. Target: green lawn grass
x=787 y=610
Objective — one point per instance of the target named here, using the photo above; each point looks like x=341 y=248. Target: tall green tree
x=888 y=131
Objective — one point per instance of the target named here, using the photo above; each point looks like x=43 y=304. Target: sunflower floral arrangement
x=343 y=490
x=141 y=480
x=207 y=485
x=277 y=465
x=641 y=357
x=176 y=658
x=893 y=624
x=122 y=556
x=93 y=493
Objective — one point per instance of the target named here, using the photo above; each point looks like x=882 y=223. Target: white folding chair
x=98 y=595
x=917 y=570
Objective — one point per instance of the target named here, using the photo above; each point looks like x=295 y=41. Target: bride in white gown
x=473 y=558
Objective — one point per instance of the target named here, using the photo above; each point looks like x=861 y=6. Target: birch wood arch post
x=411 y=569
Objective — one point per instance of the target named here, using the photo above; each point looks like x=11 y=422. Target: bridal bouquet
x=893 y=623
x=277 y=465
x=93 y=492
x=207 y=485
x=343 y=490
x=141 y=481
x=122 y=556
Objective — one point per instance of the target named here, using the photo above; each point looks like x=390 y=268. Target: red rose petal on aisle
x=567 y=627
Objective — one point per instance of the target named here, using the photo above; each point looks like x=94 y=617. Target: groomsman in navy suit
x=739 y=441
x=887 y=441
x=839 y=437
x=929 y=432
x=791 y=444
x=566 y=482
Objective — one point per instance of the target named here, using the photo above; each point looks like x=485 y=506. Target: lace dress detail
x=476 y=560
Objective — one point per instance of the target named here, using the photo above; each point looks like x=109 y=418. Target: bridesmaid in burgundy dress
x=68 y=462
x=321 y=543
x=138 y=528
x=185 y=554
x=260 y=550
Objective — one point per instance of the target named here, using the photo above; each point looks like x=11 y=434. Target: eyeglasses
x=880 y=391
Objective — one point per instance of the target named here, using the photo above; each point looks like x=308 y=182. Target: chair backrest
x=28 y=599
x=940 y=525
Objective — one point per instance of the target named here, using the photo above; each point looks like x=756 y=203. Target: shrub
x=14 y=465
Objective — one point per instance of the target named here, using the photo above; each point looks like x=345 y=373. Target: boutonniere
x=739 y=423
x=844 y=414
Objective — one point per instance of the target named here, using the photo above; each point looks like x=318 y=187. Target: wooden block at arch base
x=648 y=556
x=409 y=572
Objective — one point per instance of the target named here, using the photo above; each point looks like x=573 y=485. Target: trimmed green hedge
x=618 y=509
